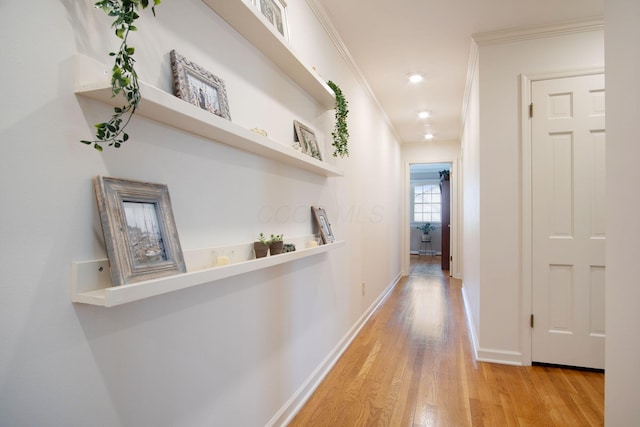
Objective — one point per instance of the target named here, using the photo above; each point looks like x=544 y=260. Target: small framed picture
x=306 y=139
x=276 y=13
x=199 y=87
x=139 y=230
x=323 y=224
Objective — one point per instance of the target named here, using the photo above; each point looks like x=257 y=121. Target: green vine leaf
x=124 y=78
x=341 y=131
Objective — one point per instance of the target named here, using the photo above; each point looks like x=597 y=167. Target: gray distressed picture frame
x=139 y=230
x=322 y=221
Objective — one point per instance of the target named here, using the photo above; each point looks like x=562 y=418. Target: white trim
x=289 y=410
x=539 y=31
x=527 y=193
x=471 y=69
x=485 y=354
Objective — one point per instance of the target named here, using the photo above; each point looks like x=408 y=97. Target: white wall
x=230 y=353
x=622 y=24
x=497 y=296
x=470 y=206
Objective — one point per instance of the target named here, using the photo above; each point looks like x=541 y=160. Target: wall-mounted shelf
x=163 y=107
x=91 y=280
x=248 y=21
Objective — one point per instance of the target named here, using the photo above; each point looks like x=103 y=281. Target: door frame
x=526 y=81
x=456 y=263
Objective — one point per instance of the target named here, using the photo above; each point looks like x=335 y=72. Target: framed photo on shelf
x=306 y=139
x=199 y=87
x=323 y=224
x=139 y=230
x=276 y=13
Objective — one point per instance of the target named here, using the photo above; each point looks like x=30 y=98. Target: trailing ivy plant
x=341 y=131
x=124 y=78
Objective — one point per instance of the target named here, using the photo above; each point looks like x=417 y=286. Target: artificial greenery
x=341 y=132
x=275 y=238
x=426 y=228
x=263 y=239
x=124 y=78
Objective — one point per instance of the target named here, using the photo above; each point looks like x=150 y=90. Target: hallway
x=412 y=365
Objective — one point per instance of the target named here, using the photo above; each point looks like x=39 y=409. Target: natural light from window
x=426 y=203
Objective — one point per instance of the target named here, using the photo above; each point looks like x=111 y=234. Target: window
x=426 y=203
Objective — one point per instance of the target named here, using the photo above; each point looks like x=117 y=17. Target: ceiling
x=389 y=39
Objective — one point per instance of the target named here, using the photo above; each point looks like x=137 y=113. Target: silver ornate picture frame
x=139 y=230
x=306 y=139
x=199 y=87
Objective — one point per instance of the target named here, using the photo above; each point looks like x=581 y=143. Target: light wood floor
x=412 y=365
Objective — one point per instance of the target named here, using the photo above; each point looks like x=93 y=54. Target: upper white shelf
x=91 y=280
x=158 y=105
x=248 y=21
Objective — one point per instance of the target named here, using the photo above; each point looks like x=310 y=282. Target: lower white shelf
x=91 y=280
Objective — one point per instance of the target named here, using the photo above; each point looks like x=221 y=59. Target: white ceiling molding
x=331 y=31
x=540 y=31
x=471 y=69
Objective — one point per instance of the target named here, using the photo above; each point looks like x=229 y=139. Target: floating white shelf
x=250 y=23
x=163 y=107
x=91 y=280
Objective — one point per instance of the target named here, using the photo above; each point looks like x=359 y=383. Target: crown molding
x=323 y=17
x=539 y=31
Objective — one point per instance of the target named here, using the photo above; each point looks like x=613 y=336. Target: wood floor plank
x=412 y=365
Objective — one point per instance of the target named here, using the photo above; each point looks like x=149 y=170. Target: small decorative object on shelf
x=322 y=221
x=341 y=131
x=288 y=247
x=276 y=244
x=259 y=131
x=261 y=247
x=306 y=139
x=223 y=257
x=124 y=78
x=199 y=87
x=139 y=230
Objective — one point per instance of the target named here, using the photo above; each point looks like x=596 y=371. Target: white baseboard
x=299 y=398
x=486 y=354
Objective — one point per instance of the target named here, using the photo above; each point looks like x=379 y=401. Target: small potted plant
x=261 y=247
x=426 y=228
x=276 y=244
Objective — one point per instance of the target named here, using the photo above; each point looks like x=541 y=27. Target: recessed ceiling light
x=416 y=77
x=424 y=114
x=428 y=136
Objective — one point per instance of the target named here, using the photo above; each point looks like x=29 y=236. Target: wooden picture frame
x=322 y=221
x=199 y=87
x=139 y=230
x=306 y=139
x=275 y=11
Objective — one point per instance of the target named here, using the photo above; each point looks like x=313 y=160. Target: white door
x=568 y=235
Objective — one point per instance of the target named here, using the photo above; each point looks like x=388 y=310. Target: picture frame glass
x=143 y=231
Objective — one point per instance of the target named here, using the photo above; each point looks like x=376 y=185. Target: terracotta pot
x=276 y=247
x=260 y=249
